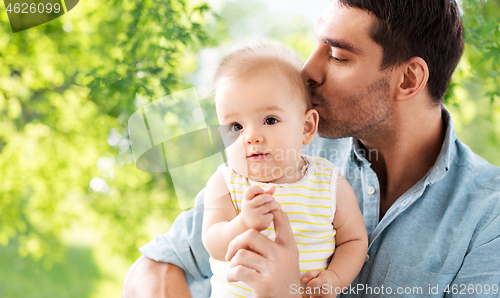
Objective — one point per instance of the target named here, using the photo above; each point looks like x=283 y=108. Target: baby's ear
x=311 y=120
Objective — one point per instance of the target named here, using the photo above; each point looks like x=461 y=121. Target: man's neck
x=405 y=153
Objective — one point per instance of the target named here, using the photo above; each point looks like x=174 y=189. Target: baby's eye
x=235 y=127
x=270 y=121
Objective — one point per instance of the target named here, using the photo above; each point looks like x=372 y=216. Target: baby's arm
x=221 y=224
x=351 y=243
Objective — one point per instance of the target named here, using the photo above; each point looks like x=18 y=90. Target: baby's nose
x=253 y=136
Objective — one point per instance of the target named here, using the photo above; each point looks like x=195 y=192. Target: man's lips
x=257 y=156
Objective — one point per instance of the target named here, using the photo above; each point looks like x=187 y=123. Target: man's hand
x=257 y=206
x=269 y=267
x=318 y=278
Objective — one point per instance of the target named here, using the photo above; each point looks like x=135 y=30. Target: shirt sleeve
x=182 y=246
x=479 y=275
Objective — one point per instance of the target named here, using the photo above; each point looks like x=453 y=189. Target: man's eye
x=270 y=121
x=235 y=127
x=337 y=59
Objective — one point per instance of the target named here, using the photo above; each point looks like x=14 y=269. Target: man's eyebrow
x=342 y=44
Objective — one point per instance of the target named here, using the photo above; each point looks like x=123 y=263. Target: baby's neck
x=292 y=175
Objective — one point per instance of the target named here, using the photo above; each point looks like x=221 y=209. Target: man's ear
x=311 y=120
x=413 y=78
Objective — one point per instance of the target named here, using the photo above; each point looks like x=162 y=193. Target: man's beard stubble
x=362 y=115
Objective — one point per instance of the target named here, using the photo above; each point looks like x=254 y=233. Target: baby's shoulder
x=318 y=161
x=216 y=185
x=321 y=165
x=229 y=174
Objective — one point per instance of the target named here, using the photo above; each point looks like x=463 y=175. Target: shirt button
x=370 y=190
x=367 y=258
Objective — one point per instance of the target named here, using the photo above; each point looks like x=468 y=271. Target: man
x=431 y=206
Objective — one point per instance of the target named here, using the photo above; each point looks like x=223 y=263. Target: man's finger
x=248 y=259
x=250 y=240
x=240 y=273
x=284 y=234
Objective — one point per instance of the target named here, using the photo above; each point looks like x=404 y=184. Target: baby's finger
x=267 y=219
x=274 y=205
x=260 y=200
x=267 y=208
x=252 y=191
x=315 y=283
x=310 y=275
x=270 y=190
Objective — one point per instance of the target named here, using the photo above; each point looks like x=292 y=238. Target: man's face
x=350 y=91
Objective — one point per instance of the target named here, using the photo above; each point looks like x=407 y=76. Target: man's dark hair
x=430 y=29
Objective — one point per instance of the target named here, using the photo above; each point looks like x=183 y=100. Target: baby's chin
x=270 y=173
x=277 y=179
x=264 y=179
x=258 y=176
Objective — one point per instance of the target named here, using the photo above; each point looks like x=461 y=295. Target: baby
x=263 y=108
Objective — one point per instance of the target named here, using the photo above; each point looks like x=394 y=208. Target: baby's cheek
x=237 y=157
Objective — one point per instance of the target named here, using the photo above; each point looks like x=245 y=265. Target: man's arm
x=479 y=275
x=185 y=254
x=148 y=278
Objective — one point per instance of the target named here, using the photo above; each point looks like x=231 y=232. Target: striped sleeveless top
x=310 y=205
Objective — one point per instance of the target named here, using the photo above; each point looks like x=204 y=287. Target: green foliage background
x=65 y=98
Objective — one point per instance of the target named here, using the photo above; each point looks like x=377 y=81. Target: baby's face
x=262 y=123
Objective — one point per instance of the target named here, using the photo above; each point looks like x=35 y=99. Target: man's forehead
x=333 y=4
x=339 y=22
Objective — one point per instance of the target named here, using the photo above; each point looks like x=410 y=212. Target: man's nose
x=253 y=135
x=313 y=70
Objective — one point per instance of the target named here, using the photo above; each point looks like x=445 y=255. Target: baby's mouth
x=258 y=156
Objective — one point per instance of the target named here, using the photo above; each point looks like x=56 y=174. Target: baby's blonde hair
x=251 y=59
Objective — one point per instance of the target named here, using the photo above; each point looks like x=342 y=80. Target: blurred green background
x=68 y=87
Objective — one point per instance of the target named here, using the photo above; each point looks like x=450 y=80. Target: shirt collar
x=358 y=153
x=443 y=161
x=445 y=157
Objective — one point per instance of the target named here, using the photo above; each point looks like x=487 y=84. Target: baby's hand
x=257 y=206
x=318 y=278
